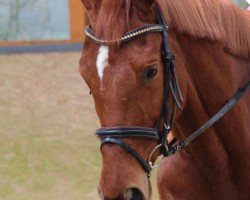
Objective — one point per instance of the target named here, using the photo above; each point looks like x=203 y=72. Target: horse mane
x=217 y=20
x=112 y=19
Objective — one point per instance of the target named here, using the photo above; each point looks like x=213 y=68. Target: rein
x=115 y=135
x=227 y=107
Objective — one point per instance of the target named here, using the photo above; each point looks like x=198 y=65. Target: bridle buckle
x=167 y=127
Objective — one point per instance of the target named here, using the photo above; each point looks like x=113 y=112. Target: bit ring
x=151 y=155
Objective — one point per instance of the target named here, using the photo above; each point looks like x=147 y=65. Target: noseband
x=115 y=135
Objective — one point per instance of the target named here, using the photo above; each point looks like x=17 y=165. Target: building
x=40 y=22
x=25 y=22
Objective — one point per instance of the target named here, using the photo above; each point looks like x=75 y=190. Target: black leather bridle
x=115 y=135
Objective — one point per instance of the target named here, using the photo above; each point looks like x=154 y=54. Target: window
x=41 y=21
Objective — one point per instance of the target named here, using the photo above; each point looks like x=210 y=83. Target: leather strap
x=125 y=132
x=227 y=107
x=129 y=149
x=169 y=80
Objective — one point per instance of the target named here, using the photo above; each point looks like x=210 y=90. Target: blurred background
x=48 y=149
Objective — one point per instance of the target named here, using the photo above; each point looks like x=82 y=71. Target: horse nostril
x=134 y=194
x=101 y=195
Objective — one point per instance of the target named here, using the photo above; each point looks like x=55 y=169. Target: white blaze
x=101 y=61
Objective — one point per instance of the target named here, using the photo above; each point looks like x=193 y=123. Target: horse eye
x=150 y=72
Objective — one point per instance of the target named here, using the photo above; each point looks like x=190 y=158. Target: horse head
x=126 y=81
x=129 y=68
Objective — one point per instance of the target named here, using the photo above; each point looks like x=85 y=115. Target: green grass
x=47 y=121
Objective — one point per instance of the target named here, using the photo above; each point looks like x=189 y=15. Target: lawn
x=48 y=149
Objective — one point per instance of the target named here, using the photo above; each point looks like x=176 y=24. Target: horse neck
x=211 y=78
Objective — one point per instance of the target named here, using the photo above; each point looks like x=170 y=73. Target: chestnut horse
x=211 y=41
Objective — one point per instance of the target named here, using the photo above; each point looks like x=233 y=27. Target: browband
x=149 y=28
